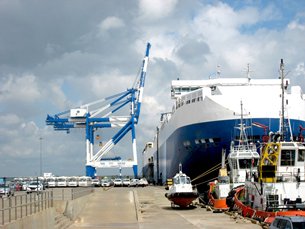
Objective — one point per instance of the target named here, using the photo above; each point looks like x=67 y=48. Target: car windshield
x=34 y=183
x=298 y=225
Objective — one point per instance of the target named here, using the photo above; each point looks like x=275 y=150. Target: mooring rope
x=214 y=178
x=217 y=166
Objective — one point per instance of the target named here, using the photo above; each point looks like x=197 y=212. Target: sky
x=57 y=55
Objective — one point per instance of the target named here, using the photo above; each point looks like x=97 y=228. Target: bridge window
x=176 y=180
x=245 y=163
x=301 y=155
x=182 y=180
x=188 y=180
x=287 y=158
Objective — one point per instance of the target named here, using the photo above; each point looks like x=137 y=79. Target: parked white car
x=143 y=182
x=52 y=182
x=96 y=182
x=288 y=222
x=134 y=183
x=25 y=185
x=6 y=190
x=34 y=186
x=126 y=182
x=85 y=181
x=118 y=182
x=106 y=183
x=62 y=181
x=73 y=181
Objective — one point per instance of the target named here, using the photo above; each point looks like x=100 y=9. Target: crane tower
x=101 y=114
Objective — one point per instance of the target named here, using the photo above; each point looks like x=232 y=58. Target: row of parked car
x=37 y=185
x=8 y=189
x=126 y=182
x=121 y=182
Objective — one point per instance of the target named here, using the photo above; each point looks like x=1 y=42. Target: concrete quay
x=50 y=209
x=147 y=208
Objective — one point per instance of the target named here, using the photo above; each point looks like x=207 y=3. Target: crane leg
x=135 y=170
x=90 y=171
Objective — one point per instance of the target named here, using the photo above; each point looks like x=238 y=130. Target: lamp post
x=40 y=139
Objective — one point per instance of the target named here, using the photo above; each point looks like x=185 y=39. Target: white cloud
x=111 y=23
x=151 y=101
x=296 y=25
x=19 y=138
x=153 y=115
x=218 y=23
x=163 y=46
x=300 y=70
x=153 y=10
x=57 y=96
x=20 y=88
x=10 y=119
x=29 y=128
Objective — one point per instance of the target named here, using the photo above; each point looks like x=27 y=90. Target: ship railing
x=22 y=205
x=289 y=177
x=245 y=148
x=291 y=206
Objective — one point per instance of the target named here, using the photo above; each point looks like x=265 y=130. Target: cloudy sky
x=56 y=55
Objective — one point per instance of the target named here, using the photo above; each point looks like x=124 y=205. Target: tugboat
x=181 y=192
x=243 y=161
x=219 y=189
x=279 y=188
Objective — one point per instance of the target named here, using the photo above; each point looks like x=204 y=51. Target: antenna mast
x=282 y=123
x=248 y=72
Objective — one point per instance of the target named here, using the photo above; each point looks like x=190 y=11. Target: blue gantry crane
x=101 y=114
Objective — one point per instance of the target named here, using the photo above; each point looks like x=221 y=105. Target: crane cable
x=217 y=166
x=136 y=80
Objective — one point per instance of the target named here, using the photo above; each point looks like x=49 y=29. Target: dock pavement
x=147 y=208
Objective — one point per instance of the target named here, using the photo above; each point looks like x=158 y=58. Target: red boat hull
x=182 y=199
x=264 y=216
